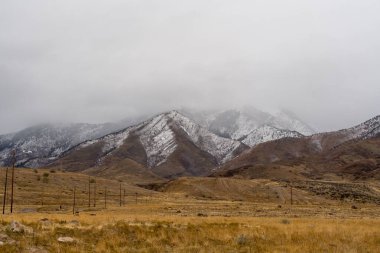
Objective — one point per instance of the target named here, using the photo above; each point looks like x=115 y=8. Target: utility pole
x=13 y=176
x=74 y=201
x=120 y=194
x=136 y=197
x=105 y=197
x=5 y=189
x=124 y=198
x=291 y=194
x=89 y=191
x=43 y=194
x=95 y=194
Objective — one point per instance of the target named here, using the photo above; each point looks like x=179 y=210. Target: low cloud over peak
x=96 y=61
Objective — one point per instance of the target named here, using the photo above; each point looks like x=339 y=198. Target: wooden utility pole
x=74 y=200
x=136 y=197
x=43 y=194
x=95 y=194
x=291 y=194
x=89 y=191
x=13 y=176
x=105 y=197
x=120 y=194
x=124 y=198
x=5 y=189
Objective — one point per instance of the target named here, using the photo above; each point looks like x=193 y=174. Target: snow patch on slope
x=238 y=123
x=38 y=145
x=365 y=130
x=268 y=133
x=158 y=140
x=287 y=120
x=221 y=148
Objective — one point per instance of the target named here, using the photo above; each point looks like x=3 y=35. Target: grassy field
x=124 y=230
x=174 y=221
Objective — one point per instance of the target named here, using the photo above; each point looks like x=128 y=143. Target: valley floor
x=197 y=226
x=182 y=219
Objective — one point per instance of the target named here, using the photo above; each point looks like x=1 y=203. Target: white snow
x=158 y=140
x=47 y=141
x=365 y=130
x=238 y=123
x=221 y=148
x=267 y=133
x=288 y=121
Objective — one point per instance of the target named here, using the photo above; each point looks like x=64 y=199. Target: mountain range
x=41 y=144
x=168 y=144
x=237 y=142
x=347 y=154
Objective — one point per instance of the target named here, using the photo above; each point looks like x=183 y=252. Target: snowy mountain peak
x=238 y=124
x=287 y=120
x=365 y=130
x=268 y=133
x=161 y=132
x=37 y=145
x=159 y=139
x=221 y=148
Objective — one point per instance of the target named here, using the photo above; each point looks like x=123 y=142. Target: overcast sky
x=97 y=61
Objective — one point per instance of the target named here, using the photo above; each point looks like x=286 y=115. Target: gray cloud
x=96 y=61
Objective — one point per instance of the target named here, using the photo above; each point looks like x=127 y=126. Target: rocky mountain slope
x=250 y=125
x=353 y=153
x=40 y=144
x=268 y=133
x=287 y=120
x=169 y=145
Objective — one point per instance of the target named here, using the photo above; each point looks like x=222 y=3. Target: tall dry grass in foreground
x=138 y=233
x=182 y=222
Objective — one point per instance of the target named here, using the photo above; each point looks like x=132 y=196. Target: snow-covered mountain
x=249 y=125
x=167 y=139
x=234 y=123
x=268 y=133
x=353 y=153
x=39 y=144
x=287 y=120
x=365 y=130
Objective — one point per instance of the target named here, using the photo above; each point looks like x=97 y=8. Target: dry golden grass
x=119 y=231
x=52 y=187
x=174 y=222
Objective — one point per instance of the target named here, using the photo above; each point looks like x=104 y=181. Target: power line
x=13 y=176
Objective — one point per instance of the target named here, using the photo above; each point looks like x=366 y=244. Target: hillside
x=39 y=145
x=352 y=153
x=168 y=145
x=240 y=123
x=304 y=192
x=249 y=125
x=48 y=188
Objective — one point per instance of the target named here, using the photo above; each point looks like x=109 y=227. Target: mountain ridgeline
x=193 y=143
x=169 y=145
x=42 y=144
x=348 y=154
